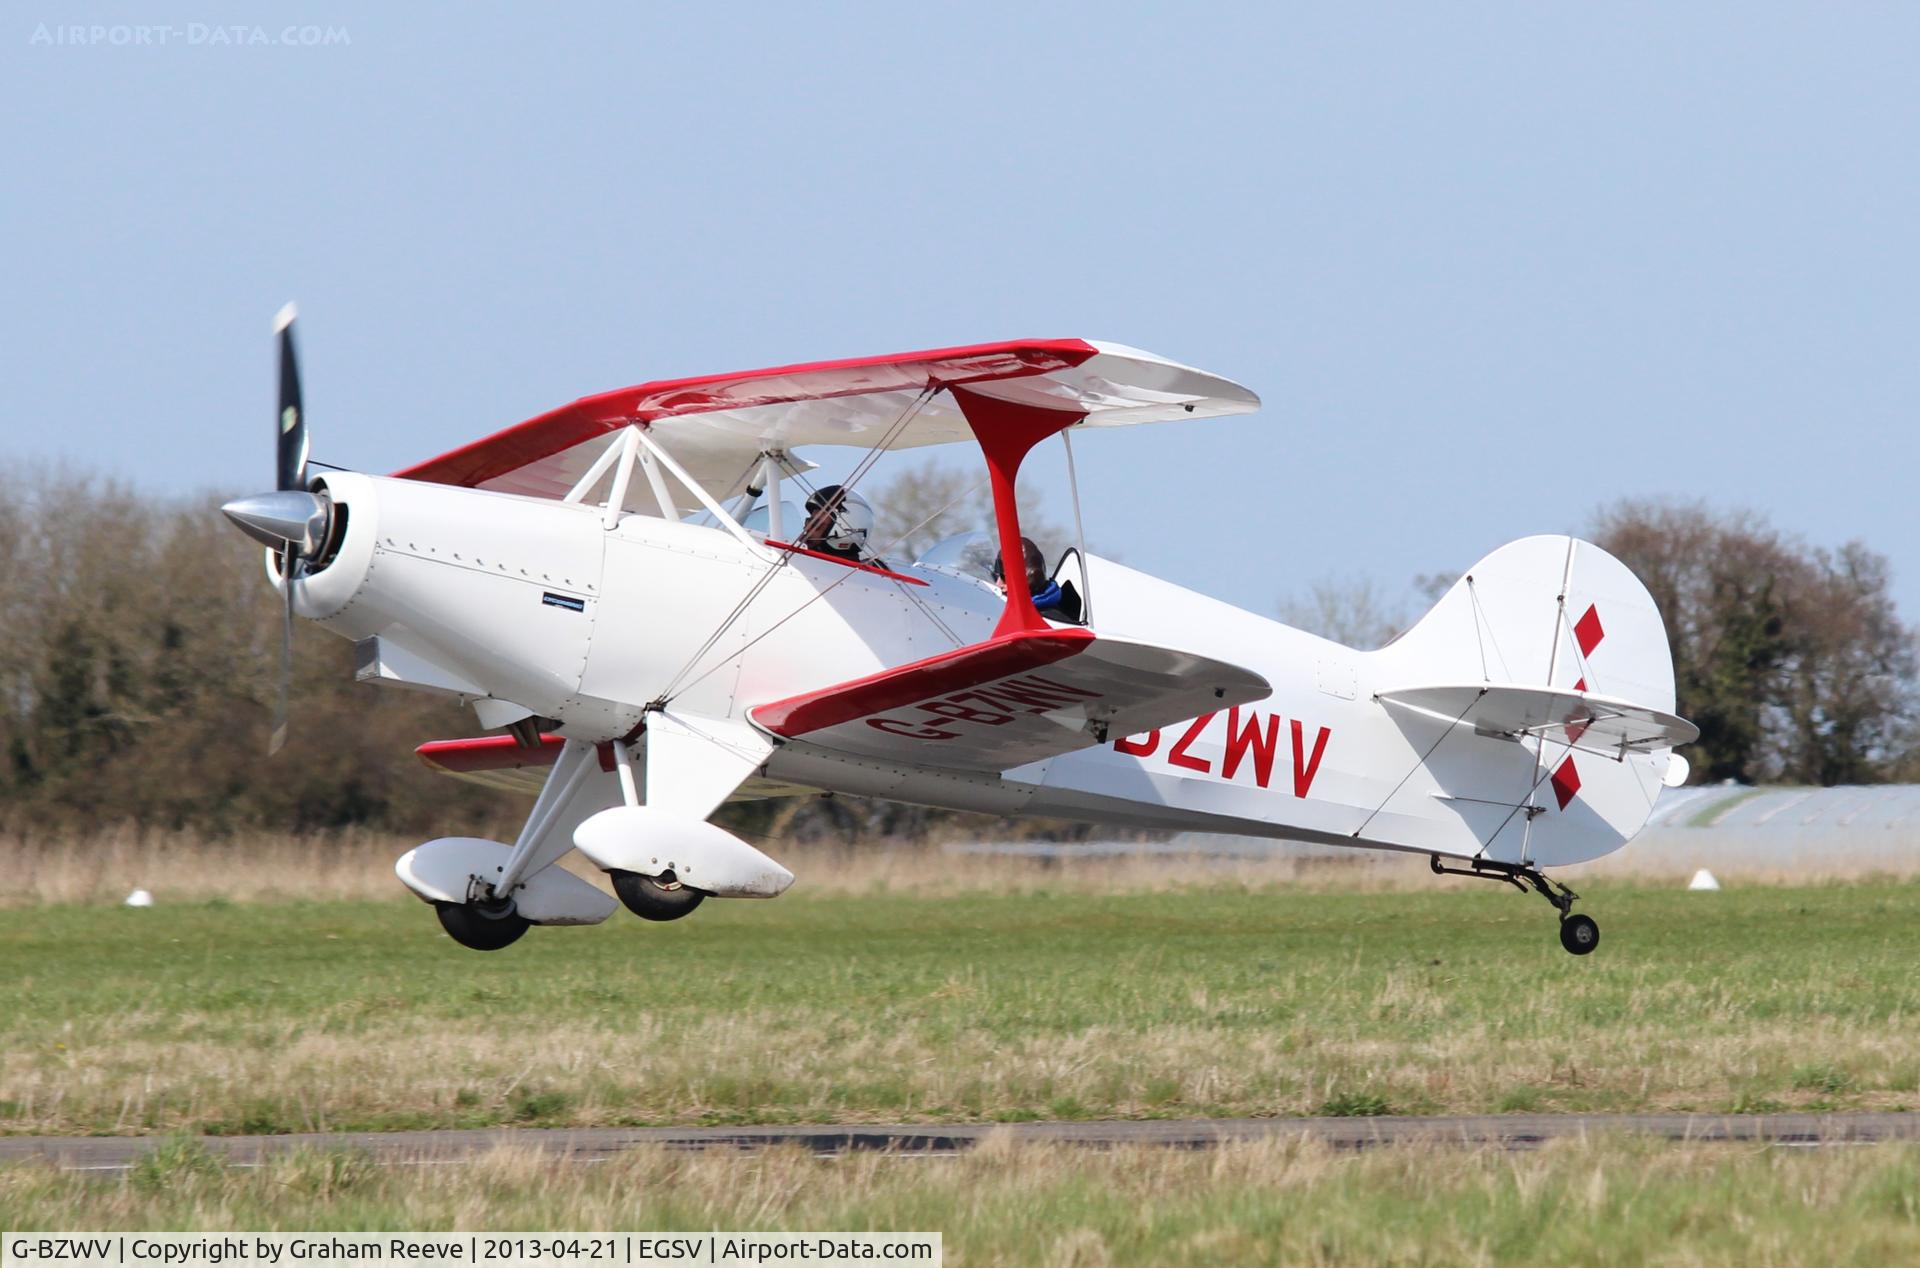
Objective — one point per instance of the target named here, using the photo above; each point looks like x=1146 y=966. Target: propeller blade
x=278 y=740
x=292 y=449
x=292 y=518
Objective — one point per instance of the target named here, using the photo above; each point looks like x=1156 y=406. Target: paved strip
x=1512 y=1131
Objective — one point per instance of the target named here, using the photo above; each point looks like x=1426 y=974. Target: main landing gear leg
x=1578 y=933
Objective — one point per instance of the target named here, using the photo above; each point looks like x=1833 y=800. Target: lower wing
x=1011 y=700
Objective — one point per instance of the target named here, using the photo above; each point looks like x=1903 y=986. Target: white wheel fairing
x=446 y=871
x=649 y=841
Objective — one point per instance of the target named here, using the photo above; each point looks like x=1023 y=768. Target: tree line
x=1791 y=658
x=139 y=663
x=139 y=657
x=139 y=652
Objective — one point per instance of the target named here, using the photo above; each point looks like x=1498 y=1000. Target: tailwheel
x=482 y=926
x=660 y=897
x=1579 y=934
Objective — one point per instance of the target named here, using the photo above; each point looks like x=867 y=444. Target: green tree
x=1793 y=661
x=930 y=501
x=139 y=657
x=1354 y=613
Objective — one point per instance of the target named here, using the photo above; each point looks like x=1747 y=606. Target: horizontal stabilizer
x=1581 y=719
x=1011 y=700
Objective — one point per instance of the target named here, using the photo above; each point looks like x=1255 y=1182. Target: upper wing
x=1578 y=719
x=716 y=426
x=1011 y=700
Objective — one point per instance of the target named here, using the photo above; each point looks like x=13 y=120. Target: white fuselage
x=535 y=604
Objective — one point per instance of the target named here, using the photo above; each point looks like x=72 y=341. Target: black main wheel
x=656 y=898
x=1579 y=934
x=483 y=928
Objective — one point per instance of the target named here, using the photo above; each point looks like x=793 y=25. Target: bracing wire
x=1417 y=764
x=831 y=586
x=765 y=579
x=1542 y=773
x=818 y=520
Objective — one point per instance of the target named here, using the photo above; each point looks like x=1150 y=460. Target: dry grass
x=353 y=865
x=764 y=1065
x=102 y=868
x=267 y=993
x=1749 y=857
x=1602 y=1201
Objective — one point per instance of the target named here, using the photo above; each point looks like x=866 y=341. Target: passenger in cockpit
x=1047 y=595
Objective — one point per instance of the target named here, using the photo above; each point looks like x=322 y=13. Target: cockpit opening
x=1059 y=594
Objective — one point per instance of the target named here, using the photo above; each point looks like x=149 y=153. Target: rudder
x=1547 y=611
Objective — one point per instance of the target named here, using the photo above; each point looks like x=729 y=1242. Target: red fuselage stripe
x=792 y=549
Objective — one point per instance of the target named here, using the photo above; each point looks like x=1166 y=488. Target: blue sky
x=1489 y=266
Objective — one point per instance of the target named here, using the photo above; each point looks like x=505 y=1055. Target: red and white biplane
x=630 y=594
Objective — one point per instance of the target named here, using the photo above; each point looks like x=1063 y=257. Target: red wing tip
x=485 y=752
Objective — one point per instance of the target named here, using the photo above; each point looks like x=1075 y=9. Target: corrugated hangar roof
x=1854 y=808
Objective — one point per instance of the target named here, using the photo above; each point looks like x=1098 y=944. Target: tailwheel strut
x=1579 y=934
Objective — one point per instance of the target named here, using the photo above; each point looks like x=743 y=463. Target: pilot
x=1047 y=594
x=838 y=521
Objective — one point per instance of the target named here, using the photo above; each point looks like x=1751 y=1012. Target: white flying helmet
x=848 y=517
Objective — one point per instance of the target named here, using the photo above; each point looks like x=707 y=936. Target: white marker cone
x=1703 y=879
x=139 y=898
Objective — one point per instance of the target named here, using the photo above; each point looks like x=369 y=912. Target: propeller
x=292 y=454
x=291 y=520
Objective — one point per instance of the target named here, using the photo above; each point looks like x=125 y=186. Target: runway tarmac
x=1512 y=1131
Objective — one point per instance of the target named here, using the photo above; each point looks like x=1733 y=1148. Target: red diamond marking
x=1566 y=782
x=1588 y=631
x=1578 y=729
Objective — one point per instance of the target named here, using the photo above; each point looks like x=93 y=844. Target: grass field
x=1033 y=1003
x=1573 y=1202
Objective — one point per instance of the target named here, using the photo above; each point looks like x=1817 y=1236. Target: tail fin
x=1571 y=642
